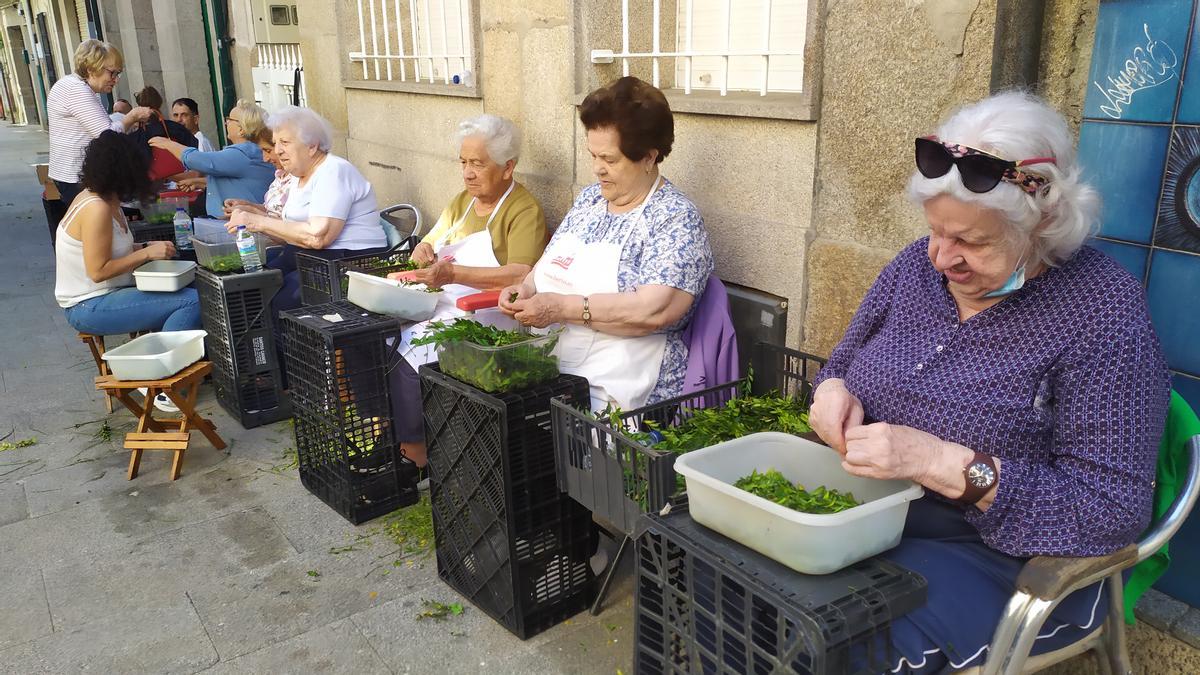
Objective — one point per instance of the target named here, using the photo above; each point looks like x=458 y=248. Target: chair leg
x=1006 y=632
x=1036 y=613
x=1116 y=647
x=608 y=577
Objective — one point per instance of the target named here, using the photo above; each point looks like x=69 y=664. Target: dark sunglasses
x=978 y=170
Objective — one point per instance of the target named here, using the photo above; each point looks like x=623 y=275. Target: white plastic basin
x=806 y=542
x=164 y=276
x=387 y=296
x=156 y=355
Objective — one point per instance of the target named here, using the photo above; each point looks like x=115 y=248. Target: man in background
x=186 y=112
x=120 y=107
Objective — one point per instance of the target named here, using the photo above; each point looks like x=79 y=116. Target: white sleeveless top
x=71 y=282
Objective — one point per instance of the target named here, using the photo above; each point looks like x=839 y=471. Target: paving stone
x=1160 y=610
x=13 y=506
x=136 y=641
x=157 y=572
x=603 y=646
x=335 y=648
x=144 y=510
x=248 y=612
x=1187 y=628
x=58 y=489
x=25 y=615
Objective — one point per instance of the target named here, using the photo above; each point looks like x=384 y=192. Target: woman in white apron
x=626 y=265
x=465 y=265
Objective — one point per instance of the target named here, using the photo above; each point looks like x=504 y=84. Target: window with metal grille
x=710 y=55
x=416 y=42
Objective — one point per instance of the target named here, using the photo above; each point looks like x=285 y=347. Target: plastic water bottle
x=248 y=250
x=183 y=230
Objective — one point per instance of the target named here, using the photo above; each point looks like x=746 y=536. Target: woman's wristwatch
x=587 y=313
x=981 y=475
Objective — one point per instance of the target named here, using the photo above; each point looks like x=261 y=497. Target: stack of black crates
x=323 y=280
x=345 y=440
x=236 y=312
x=507 y=539
x=706 y=604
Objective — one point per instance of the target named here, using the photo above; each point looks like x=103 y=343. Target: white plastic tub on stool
x=806 y=542
x=164 y=276
x=155 y=356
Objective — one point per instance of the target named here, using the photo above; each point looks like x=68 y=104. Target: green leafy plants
x=490 y=358
x=439 y=611
x=23 y=443
x=230 y=262
x=774 y=486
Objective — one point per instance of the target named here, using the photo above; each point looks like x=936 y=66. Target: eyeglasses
x=113 y=73
x=979 y=171
x=233 y=119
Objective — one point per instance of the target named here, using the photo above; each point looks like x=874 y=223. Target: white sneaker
x=165 y=404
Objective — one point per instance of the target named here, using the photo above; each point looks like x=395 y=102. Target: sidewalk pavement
x=233 y=568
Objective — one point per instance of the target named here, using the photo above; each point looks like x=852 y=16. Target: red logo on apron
x=563 y=261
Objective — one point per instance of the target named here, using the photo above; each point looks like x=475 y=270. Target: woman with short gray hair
x=489 y=236
x=1010 y=370
x=330 y=208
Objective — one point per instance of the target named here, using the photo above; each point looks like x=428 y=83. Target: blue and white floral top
x=673 y=251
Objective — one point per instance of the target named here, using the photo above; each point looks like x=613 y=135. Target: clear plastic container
x=391 y=297
x=497 y=369
x=218 y=251
x=164 y=276
x=156 y=355
x=806 y=542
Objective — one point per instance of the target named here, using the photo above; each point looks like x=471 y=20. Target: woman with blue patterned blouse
x=624 y=269
x=1011 y=371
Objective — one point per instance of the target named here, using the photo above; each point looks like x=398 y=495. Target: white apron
x=472 y=251
x=622 y=371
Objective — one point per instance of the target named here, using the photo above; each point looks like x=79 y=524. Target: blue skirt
x=969 y=586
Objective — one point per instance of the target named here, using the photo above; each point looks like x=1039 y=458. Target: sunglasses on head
x=978 y=170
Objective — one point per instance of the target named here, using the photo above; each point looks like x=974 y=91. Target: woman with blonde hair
x=76 y=116
x=238 y=171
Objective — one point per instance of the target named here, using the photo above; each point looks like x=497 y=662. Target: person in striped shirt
x=76 y=116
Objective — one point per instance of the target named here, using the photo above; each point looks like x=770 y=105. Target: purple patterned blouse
x=1063 y=380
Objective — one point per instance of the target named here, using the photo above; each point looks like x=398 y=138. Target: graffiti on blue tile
x=1137 y=60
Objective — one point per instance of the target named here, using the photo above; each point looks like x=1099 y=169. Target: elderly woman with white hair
x=1009 y=369
x=488 y=237
x=330 y=208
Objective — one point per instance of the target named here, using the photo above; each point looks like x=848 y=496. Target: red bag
x=162 y=163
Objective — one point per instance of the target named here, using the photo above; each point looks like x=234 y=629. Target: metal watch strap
x=973 y=492
x=587 y=313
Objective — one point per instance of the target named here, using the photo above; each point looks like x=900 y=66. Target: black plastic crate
x=144 y=232
x=345 y=437
x=507 y=539
x=323 y=280
x=619 y=478
x=236 y=312
x=706 y=604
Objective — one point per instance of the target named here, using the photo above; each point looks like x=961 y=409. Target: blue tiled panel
x=1129 y=187
x=1189 y=97
x=1172 y=294
x=1179 y=207
x=1132 y=258
x=1137 y=60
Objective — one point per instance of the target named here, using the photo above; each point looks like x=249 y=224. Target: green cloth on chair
x=1172 y=468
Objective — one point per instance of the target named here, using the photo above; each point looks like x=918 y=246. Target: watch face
x=981 y=475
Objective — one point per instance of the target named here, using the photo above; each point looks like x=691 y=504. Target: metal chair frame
x=1047 y=580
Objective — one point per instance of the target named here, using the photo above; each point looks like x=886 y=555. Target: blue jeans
x=127 y=310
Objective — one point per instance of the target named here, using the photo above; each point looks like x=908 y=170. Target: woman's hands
x=243 y=217
x=193 y=184
x=231 y=204
x=423 y=254
x=538 y=310
x=168 y=145
x=435 y=276
x=159 y=250
x=834 y=411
